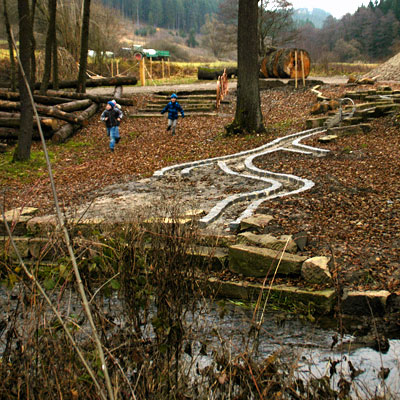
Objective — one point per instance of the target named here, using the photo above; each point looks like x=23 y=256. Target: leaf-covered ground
x=353 y=209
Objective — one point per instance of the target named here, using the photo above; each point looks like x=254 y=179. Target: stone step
x=17 y=220
x=315 y=122
x=371 y=303
x=349 y=130
x=36 y=248
x=188 y=109
x=182 y=93
x=258 y=262
x=319 y=301
x=184 y=102
x=353 y=121
x=190 y=114
x=268 y=241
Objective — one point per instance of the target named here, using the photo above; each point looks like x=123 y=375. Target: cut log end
x=282 y=63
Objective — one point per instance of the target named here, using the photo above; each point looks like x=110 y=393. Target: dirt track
x=335 y=80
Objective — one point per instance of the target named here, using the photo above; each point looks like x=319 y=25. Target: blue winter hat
x=111 y=103
x=174 y=96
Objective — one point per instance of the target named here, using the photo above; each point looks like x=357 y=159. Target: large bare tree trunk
x=248 y=117
x=10 y=47
x=23 y=150
x=51 y=31
x=81 y=87
x=55 y=62
x=33 y=46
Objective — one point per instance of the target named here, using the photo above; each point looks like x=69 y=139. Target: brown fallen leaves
x=353 y=210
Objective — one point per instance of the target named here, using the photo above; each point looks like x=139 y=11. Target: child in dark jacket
x=112 y=116
x=173 y=107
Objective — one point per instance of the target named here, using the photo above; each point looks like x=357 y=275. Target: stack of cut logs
x=286 y=63
x=61 y=113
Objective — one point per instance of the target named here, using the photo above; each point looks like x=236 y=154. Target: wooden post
x=142 y=69
x=151 y=66
x=295 y=67
x=302 y=68
x=169 y=70
x=162 y=67
x=112 y=67
x=117 y=61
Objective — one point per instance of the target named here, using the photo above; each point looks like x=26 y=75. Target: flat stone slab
x=327 y=138
x=370 y=302
x=321 y=301
x=16 y=212
x=270 y=242
x=257 y=222
x=258 y=262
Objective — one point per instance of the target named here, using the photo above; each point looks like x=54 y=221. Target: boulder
x=258 y=262
x=315 y=270
x=271 y=242
x=369 y=302
x=257 y=222
x=42 y=225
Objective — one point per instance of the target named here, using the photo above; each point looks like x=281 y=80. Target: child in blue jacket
x=173 y=107
x=112 y=116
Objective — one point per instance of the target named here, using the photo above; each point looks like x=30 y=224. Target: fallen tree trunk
x=8 y=133
x=64 y=133
x=68 y=130
x=47 y=100
x=75 y=105
x=282 y=64
x=56 y=113
x=12 y=120
x=204 y=73
x=11 y=134
x=115 y=81
x=94 y=98
x=48 y=111
x=9 y=105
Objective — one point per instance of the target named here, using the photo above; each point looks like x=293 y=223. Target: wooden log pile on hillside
x=61 y=113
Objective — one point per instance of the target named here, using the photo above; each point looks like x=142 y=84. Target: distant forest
x=183 y=15
x=372 y=33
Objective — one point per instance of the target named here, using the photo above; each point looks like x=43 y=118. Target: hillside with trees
x=372 y=33
x=170 y=14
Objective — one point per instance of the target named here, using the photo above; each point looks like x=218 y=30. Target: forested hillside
x=387 y=6
x=171 y=14
x=372 y=33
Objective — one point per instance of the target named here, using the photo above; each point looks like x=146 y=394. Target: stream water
x=300 y=344
x=307 y=348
